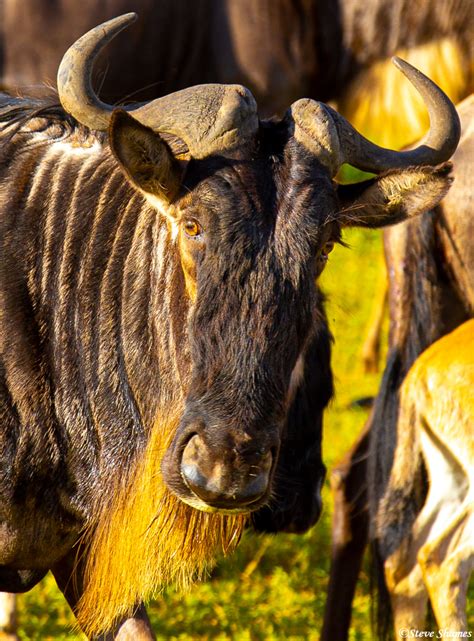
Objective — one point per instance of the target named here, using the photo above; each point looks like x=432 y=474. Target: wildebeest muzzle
x=217 y=468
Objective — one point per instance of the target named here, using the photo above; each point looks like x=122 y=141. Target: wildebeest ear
x=394 y=197
x=144 y=156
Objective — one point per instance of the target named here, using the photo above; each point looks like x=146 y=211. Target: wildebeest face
x=250 y=255
x=251 y=236
x=252 y=239
x=252 y=232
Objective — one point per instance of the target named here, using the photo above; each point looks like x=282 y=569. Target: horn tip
x=413 y=74
x=400 y=63
x=125 y=19
x=119 y=22
x=131 y=15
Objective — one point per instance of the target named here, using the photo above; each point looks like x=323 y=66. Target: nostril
x=255 y=488
x=201 y=473
x=193 y=477
x=259 y=457
x=190 y=463
x=191 y=447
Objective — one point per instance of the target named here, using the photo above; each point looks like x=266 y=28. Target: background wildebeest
x=271 y=47
x=280 y=49
x=430 y=264
x=430 y=553
x=146 y=325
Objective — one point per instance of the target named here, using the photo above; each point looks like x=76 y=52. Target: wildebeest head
x=254 y=211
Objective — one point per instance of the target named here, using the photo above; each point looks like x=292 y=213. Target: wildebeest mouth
x=200 y=505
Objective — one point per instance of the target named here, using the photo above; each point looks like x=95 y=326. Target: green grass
x=279 y=596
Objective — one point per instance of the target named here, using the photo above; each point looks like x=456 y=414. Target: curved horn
x=209 y=118
x=337 y=142
x=74 y=74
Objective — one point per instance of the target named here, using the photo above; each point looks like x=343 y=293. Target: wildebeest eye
x=327 y=249
x=192 y=228
x=322 y=257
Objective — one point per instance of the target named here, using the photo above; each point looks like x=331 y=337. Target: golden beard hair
x=383 y=105
x=146 y=539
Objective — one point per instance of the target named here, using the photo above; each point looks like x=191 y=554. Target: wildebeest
x=280 y=49
x=431 y=553
x=161 y=320
x=437 y=38
x=430 y=264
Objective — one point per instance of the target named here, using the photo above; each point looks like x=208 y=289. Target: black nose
x=224 y=482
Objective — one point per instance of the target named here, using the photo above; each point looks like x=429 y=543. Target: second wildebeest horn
x=335 y=141
x=209 y=118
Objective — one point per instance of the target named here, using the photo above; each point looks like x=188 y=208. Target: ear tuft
x=394 y=197
x=144 y=156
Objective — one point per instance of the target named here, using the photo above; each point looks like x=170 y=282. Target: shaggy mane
x=45 y=115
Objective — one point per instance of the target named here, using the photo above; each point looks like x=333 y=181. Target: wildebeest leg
x=8 y=617
x=435 y=558
x=439 y=565
x=408 y=594
x=447 y=563
x=443 y=529
x=349 y=532
x=69 y=577
x=371 y=346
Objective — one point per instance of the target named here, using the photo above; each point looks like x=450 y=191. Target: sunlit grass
x=280 y=597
